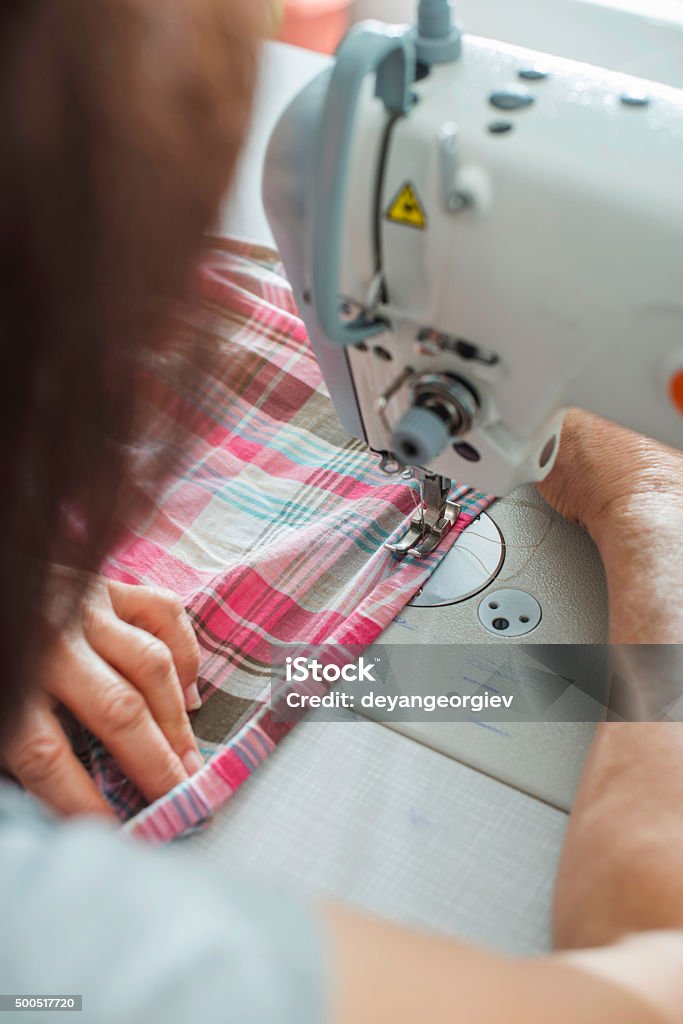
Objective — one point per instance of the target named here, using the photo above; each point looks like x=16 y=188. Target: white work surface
x=355 y=812
x=460 y=831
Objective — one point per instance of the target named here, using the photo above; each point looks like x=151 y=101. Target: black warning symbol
x=406 y=208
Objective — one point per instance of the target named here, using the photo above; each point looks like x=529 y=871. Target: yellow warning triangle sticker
x=406 y=208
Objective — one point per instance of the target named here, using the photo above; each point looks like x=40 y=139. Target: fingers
x=147 y=663
x=115 y=711
x=40 y=757
x=124 y=674
x=161 y=613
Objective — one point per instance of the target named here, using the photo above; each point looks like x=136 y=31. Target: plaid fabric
x=273 y=532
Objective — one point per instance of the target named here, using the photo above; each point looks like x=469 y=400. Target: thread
x=551 y=516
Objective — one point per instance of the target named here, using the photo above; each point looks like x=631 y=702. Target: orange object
x=676 y=390
x=315 y=24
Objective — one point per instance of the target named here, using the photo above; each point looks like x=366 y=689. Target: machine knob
x=419 y=436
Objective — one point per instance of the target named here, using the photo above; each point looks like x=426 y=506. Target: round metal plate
x=474 y=560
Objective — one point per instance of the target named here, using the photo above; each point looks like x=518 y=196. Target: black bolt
x=511 y=99
x=532 y=74
x=466 y=451
x=630 y=99
x=500 y=127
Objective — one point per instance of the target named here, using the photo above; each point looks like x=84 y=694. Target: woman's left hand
x=127 y=671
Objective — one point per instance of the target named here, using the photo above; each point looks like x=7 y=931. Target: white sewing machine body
x=513 y=238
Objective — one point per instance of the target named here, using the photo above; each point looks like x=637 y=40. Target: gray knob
x=419 y=436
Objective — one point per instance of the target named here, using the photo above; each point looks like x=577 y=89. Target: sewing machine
x=459 y=831
x=480 y=236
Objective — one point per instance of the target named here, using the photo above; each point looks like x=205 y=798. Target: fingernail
x=193 y=701
x=193 y=762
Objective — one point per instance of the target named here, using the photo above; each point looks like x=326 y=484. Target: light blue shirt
x=145 y=935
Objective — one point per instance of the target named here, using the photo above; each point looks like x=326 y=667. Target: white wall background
x=640 y=37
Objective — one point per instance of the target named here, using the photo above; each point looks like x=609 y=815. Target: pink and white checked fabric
x=273 y=531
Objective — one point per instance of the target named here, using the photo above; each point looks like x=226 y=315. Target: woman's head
x=121 y=124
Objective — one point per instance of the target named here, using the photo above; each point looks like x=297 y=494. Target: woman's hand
x=127 y=671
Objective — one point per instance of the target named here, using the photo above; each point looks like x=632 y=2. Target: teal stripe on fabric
x=178 y=800
x=300 y=446
x=288 y=513
x=248 y=754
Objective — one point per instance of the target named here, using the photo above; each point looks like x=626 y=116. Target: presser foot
x=432 y=521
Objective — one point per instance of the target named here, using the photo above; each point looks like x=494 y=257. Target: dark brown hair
x=120 y=124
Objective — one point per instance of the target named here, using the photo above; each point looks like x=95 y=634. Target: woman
x=122 y=121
